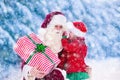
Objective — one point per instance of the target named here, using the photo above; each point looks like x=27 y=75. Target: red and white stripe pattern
x=24 y=48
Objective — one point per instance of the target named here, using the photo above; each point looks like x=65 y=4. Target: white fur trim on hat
x=41 y=33
x=73 y=29
x=58 y=20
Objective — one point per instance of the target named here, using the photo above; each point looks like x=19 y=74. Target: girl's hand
x=89 y=71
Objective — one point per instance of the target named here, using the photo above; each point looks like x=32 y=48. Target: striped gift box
x=25 y=48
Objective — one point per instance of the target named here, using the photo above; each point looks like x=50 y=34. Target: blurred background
x=102 y=17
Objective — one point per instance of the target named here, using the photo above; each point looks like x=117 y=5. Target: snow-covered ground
x=108 y=69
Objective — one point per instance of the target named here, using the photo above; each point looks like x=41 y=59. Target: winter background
x=102 y=17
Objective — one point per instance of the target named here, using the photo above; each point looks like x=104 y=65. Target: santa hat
x=54 y=18
x=78 y=28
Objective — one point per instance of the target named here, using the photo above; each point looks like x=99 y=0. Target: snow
x=108 y=69
x=102 y=18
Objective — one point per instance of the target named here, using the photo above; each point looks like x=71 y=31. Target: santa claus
x=50 y=33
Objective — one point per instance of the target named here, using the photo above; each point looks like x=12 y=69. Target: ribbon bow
x=40 y=48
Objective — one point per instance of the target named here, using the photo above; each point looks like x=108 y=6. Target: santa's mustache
x=58 y=31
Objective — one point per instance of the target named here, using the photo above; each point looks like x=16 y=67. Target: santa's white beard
x=52 y=39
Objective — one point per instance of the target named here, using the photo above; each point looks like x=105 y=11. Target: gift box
x=33 y=51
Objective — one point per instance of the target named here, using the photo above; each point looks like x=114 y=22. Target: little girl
x=74 y=52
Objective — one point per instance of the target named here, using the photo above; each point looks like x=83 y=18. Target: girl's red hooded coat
x=73 y=55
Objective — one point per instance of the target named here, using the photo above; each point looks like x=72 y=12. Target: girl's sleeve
x=68 y=46
x=65 y=44
x=84 y=49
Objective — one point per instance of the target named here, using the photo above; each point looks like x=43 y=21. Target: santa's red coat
x=73 y=55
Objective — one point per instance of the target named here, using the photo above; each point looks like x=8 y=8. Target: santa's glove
x=26 y=73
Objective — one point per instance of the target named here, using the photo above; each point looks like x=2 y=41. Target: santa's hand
x=37 y=73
